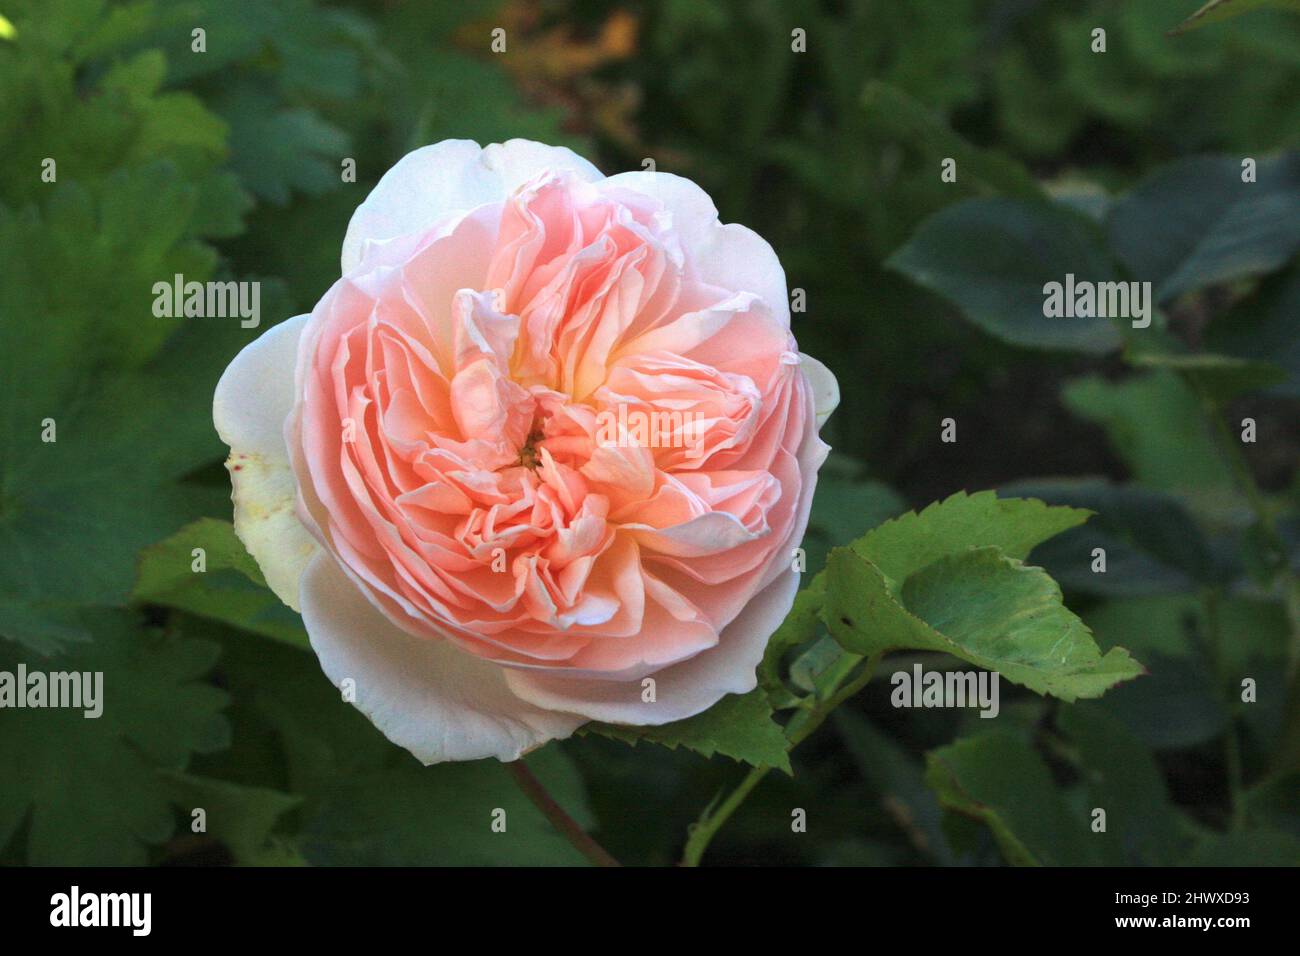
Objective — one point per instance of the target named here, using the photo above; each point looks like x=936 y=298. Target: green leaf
x=43 y=628
x=739 y=726
x=95 y=118
x=1219 y=10
x=1122 y=778
x=821 y=668
x=992 y=258
x=982 y=607
x=1221 y=378
x=950 y=579
x=278 y=150
x=1181 y=704
x=72 y=523
x=241 y=817
x=296 y=46
x=799 y=627
x=1263 y=327
x=1016 y=525
x=221 y=207
x=1157 y=425
x=1000 y=781
x=90 y=785
x=231 y=589
x=92 y=382
x=1194 y=223
x=118 y=237
x=403 y=814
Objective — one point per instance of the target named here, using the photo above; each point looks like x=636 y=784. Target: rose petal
x=422 y=693
x=825 y=387
x=731 y=256
x=445 y=179
x=249 y=408
x=681 y=690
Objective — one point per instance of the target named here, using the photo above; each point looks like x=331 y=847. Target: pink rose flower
x=548 y=436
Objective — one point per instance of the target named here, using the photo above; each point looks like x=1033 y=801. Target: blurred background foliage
x=226 y=164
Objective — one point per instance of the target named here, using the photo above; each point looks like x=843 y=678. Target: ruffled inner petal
x=542 y=434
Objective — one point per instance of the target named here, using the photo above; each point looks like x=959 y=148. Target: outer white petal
x=252 y=401
x=446 y=179
x=425 y=695
x=682 y=690
x=732 y=257
x=825 y=387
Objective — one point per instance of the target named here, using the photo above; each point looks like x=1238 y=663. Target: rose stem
x=535 y=791
x=799 y=728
